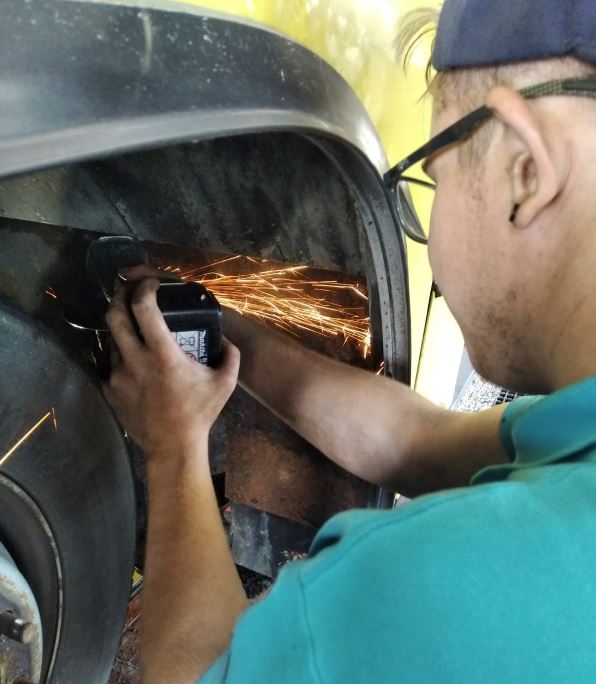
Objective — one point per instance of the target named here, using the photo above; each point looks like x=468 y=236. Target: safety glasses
x=413 y=196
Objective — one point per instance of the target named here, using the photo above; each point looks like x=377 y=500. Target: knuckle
x=116 y=298
x=116 y=381
x=144 y=297
x=122 y=376
x=229 y=381
x=165 y=358
x=113 y=315
x=139 y=291
x=139 y=301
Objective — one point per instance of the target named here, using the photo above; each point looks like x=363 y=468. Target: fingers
x=134 y=273
x=121 y=327
x=115 y=356
x=107 y=393
x=153 y=327
x=230 y=362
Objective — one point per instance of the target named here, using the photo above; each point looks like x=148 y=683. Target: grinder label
x=193 y=343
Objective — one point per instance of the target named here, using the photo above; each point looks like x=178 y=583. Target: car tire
x=67 y=501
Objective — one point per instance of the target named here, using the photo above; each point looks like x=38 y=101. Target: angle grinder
x=191 y=312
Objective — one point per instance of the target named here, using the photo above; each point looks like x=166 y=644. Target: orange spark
x=186 y=274
x=287 y=298
x=55 y=420
x=51 y=292
x=24 y=438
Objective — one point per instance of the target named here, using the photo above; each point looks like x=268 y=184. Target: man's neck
x=573 y=355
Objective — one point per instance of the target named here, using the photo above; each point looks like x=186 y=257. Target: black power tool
x=191 y=312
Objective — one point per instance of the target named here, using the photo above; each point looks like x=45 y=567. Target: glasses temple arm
x=450 y=135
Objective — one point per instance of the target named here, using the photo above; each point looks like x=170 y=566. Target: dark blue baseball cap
x=475 y=33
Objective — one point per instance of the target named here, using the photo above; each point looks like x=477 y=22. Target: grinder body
x=191 y=312
x=194 y=318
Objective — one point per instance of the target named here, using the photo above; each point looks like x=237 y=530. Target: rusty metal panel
x=271 y=468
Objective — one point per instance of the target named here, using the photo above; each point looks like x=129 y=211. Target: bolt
x=15 y=628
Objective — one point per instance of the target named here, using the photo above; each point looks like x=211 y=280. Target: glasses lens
x=414 y=204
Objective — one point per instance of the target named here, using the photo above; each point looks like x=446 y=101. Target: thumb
x=230 y=360
x=134 y=273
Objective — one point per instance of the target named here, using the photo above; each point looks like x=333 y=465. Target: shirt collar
x=542 y=430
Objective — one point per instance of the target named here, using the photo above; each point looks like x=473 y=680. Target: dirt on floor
x=126 y=668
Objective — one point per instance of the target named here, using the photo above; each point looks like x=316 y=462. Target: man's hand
x=166 y=401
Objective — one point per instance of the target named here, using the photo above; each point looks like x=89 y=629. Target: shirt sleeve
x=513 y=411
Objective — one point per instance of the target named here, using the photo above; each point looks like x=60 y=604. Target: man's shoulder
x=436 y=591
x=548 y=506
x=459 y=514
x=450 y=581
x=470 y=546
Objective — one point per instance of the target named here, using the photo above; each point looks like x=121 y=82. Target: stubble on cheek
x=470 y=266
x=497 y=344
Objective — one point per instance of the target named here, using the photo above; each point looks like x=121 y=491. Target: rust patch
x=289 y=478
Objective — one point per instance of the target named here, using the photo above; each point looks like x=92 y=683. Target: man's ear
x=537 y=175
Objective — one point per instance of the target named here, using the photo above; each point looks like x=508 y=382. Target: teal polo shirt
x=492 y=583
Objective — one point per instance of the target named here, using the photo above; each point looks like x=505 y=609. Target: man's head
x=512 y=242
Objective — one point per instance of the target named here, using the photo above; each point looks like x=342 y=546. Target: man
x=489 y=582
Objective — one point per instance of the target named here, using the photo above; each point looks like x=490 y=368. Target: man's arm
x=372 y=426
x=167 y=402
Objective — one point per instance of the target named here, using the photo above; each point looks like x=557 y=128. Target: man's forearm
x=374 y=427
x=192 y=594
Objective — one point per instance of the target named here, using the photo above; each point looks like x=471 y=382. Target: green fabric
x=490 y=583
